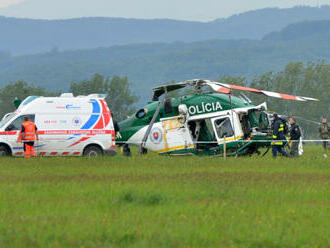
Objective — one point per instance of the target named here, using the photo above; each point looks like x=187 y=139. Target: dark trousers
x=278 y=148
x=294 y=148
x=325 y=144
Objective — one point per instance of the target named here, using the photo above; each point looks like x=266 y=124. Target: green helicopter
x=213 y=124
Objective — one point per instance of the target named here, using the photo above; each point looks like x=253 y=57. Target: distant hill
x=312 y=30
x=256 y=24
x=27 y=36
x=148 y=65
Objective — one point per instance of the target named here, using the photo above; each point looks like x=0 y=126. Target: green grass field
x=158 y=201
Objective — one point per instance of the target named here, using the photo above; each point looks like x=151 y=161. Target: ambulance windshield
x=6 y=119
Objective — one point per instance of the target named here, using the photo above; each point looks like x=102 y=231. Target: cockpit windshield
x=6 y=119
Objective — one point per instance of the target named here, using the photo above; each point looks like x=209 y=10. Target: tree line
x=120 y=98
x=312 y=79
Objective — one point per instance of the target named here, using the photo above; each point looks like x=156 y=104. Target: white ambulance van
x=67 y=126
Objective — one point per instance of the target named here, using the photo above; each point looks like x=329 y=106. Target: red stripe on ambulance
x=79 y=141
x=72 y=132
x=8 y=133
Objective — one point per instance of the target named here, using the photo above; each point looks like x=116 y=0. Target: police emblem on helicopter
x=156 y=135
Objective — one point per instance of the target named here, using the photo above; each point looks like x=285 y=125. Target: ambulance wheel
x=93 y=151
x=4 y=151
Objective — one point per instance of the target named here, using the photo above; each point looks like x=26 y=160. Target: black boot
x=126 y=150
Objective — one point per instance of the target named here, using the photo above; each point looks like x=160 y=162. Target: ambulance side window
x=17 y=123
x=223 y=128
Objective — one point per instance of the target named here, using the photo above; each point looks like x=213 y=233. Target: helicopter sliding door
x=226 y=128
x=176 y=134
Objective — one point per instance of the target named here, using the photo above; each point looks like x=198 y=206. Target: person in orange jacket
x=28 y=135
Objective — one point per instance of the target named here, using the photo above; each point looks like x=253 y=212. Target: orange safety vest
x=30 y=131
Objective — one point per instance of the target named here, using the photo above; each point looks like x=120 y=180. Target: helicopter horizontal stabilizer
x=226 y=89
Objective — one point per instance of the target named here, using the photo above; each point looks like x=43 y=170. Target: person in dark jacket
x=295 y=135
x=126 y=149
x=278 y=136
x=116 y=127
x=324 y=132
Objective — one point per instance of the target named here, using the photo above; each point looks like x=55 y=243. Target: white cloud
x=6 y=3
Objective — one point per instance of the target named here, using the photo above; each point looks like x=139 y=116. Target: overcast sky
x=199 y=10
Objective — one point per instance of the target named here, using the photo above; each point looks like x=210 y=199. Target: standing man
x=295 y=135
x=28 y=135
x=324 y=132
x=278 y=136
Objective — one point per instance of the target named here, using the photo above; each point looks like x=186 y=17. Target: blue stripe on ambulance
x=21 y=147
x=78 y=134
x=94 y=117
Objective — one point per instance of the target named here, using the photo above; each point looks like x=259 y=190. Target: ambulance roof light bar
x=70 y=95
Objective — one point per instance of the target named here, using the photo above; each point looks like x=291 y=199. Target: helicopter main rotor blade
x=221 y=88
x=218 y=88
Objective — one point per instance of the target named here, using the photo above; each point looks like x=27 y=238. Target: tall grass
x=159 y=201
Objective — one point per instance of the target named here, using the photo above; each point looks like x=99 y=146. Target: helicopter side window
x=246 y=126
x=168 y=106
x=202 y=132
x=224 y=128
x=263 y=121
x=192 y=129
x=141 y=113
